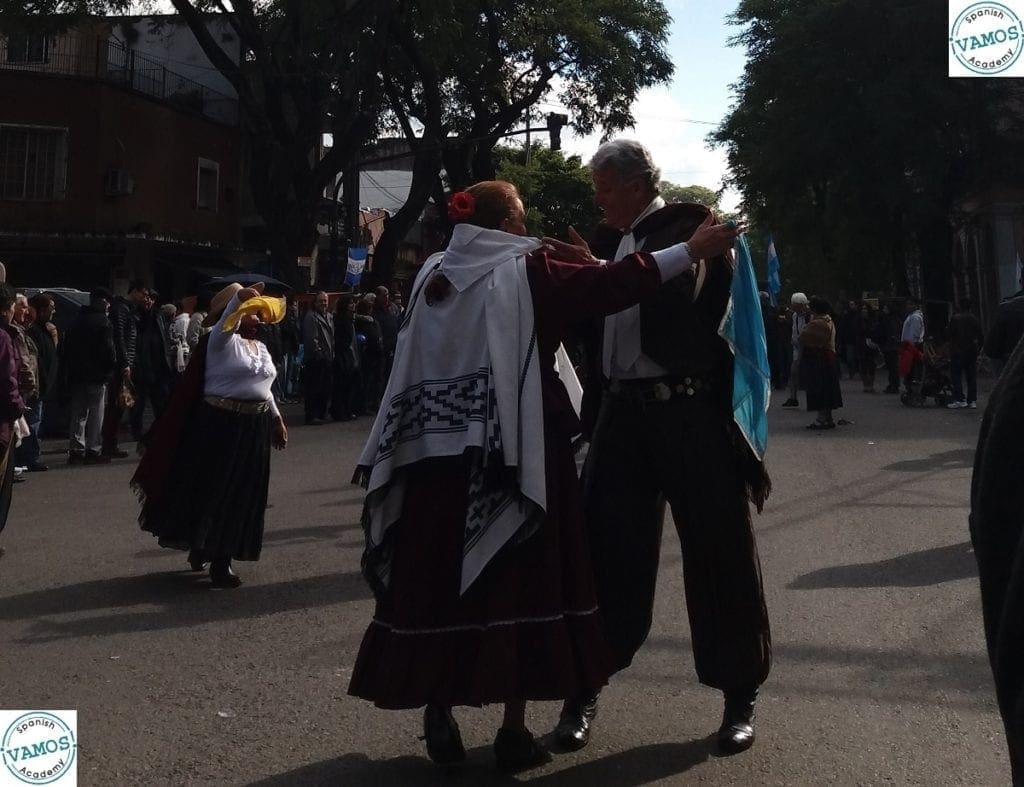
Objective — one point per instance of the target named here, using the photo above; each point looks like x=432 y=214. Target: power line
x=387 y=191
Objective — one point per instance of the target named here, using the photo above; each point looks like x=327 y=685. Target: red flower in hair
x=461 y=206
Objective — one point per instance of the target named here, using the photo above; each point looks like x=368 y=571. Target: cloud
x=678 y=147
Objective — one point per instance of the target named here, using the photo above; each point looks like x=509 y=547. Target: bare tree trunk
x=425 y=174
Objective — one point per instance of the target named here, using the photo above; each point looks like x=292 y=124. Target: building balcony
x=90 y=56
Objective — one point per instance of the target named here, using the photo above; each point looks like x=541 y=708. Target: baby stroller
x=929 y=379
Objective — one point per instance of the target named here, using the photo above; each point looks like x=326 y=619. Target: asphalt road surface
x=880 y=674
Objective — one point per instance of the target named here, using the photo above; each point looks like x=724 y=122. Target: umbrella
x=272 y=286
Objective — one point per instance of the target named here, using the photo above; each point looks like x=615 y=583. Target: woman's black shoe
x=222 y=575
x=518 y=750
x=444 y=742
x=197 y=560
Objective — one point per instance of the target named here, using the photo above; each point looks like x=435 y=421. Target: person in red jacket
x=12 y=406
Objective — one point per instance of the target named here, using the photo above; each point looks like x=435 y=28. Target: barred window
x=207 y=184
x=33 y=163
x=28 y=49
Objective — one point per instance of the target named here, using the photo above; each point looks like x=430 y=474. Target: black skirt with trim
x=217 y=491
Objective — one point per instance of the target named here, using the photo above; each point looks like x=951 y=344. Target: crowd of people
x=500 y=575
x=122 y=356
x=810 y=348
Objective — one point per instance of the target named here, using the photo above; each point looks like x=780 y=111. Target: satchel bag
x=126 y=397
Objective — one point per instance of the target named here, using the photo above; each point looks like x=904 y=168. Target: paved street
x=880 y=675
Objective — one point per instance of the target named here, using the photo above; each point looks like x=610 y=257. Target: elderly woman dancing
x=204 y=477
x=475 y=545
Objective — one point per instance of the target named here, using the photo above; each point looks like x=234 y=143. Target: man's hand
x=280 y=436
x=576 y=251
x=711 y=240
x=126 y=373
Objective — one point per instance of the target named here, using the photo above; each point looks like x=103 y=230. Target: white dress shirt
x=622 y=358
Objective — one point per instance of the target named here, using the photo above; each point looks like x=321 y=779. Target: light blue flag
x=743 y=328
x=356 y=263
x=774 y=281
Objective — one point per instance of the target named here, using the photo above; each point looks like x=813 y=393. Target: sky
x=705 y=66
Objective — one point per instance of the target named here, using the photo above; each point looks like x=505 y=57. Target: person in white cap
x=798 y=302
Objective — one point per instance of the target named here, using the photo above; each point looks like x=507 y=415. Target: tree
x=307 y=69
x=556 y=189
x=702 y=195
x=455 y=102
x=852 y=146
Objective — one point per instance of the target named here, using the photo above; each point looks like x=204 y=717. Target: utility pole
x=528 y=137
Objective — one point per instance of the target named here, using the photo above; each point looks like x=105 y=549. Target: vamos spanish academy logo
x=39 y=747
x=985 y=40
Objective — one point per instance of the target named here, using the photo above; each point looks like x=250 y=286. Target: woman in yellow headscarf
x=204 y=478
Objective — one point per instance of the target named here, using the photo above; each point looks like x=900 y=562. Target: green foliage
x=467 y=72
x=453 y=76
x=851 y=144
x=556 y=189
x=702 y=195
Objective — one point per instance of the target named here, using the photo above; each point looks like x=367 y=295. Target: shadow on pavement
x=894 y=676
x=276 y=536
x=917 y=569
x=642 y=765
x=184 y=597
x=946 y=460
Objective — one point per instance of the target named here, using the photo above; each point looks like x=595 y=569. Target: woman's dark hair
x=344 y=301
x=40 y=301
x=7 y=297
x=820 y=305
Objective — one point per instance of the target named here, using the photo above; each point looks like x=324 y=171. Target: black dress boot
x=518 y=750
x=578 y=714
x=221 y=574
x=737 y=731
x=197 y=560
x=441 y=732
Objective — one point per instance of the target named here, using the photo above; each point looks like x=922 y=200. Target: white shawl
x=466 y=380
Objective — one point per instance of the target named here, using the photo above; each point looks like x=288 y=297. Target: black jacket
x=38 y=333
x=125 y=324
x=997 y=534
x=87 y=354
x=1006 y=330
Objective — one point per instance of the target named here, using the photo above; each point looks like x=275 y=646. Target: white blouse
x=237 y=368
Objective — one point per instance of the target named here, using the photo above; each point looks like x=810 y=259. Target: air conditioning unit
x=119 y=183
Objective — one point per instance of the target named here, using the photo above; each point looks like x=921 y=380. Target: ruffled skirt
x=217 y=491
x=527 y=629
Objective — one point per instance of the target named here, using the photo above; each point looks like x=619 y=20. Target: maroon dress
x=528 y=628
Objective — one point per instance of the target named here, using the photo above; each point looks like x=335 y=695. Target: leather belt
x=238 y=405
x=653 y=390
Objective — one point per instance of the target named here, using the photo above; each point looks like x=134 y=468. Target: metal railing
x=143 y=74
x=112 y=61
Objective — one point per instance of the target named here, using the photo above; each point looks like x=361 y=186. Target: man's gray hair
x=630 y=159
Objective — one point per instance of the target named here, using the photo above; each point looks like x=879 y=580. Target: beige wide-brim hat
x=220 y=301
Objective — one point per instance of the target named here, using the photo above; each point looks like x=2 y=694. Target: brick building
x=114 y=165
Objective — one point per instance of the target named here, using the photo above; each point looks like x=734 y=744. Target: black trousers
x=680 y=451
x=316 y=382
x=964 y=367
